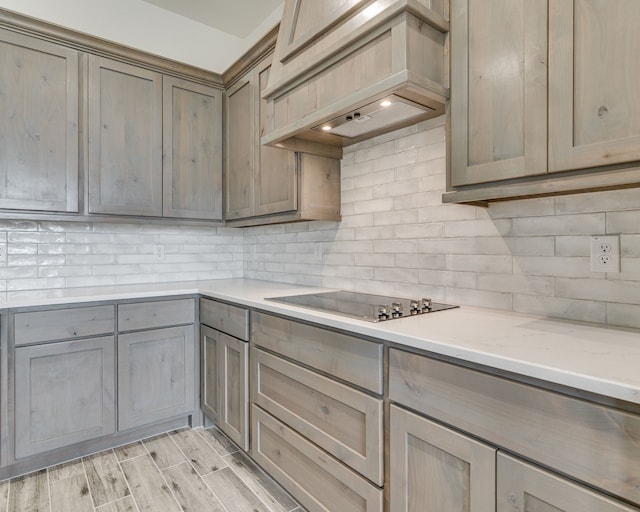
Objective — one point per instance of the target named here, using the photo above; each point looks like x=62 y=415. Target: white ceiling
x=235 y=17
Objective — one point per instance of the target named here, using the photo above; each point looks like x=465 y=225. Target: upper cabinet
x=346 y=70
x=266 y=185
x=540 y=88
x=38 y=125
x=192 y=134
x=155 y=143
x=125 y=139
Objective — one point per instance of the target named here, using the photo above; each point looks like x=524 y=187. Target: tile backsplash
x=47 y=255
x=395 y=237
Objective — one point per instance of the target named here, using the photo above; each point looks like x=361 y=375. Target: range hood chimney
x=347 y=70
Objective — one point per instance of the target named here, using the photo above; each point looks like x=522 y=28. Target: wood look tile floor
x=191 y=470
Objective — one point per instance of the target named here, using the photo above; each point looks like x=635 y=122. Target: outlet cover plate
x=605 y=253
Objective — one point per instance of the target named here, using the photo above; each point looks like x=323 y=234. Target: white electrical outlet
x=605 y=253
x=158 y=252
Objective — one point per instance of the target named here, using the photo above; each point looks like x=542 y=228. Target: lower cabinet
x=224 y=393
x=65 y=394
x=155 y=375
x=436 y=469
x=523 y=487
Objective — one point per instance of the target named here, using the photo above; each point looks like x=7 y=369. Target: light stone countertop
x=588 y=357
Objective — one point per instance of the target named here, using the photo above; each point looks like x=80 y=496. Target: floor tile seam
x=164 y=478
x=213 y=491
x=187 y=459
x=200 y=430
x=49 y=490
x=126 y=481
x=251 y=490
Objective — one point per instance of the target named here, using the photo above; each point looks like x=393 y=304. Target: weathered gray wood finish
x=233 y=320
x=155 y=375
x=317 y=481
x=339 y=55
x=276 y=186
x=345 y=422
x=59 y=324
x=594 y=112
x=125 y=139
x=39 y=125
x=233 y=405
x=192 y=140
x=590 y=442
x=65 y=394
x=266 y=185
x=240 y=149
x=436 y=469
x=148 y=315
x=498 y=90
x=348 y=358
x=209 y=374
x=526 y=488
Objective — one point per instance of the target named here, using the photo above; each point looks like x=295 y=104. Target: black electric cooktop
x=363 y=306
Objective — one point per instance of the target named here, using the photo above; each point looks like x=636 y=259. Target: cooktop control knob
x=383 y=312
x=414 y=308
x=396 y=310
x=426 y=305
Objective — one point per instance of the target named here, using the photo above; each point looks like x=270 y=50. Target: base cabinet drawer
x=344 y=421
x=436 y=469
x=523 y=488
x=65 y=394
x=319 y=482
x=156 y=378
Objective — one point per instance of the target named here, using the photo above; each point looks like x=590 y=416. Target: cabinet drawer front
x=591 y=442
x=147 y=315
x=349 y=358
x=345 y=422
x=64 y=394
x=316 y=480
x=57 y=324
x=226 y=318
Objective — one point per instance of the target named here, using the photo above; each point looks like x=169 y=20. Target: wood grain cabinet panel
x=233 y=320
x=192 y=166
x=352 y=359
x=591 y=442
x=233 y=365
x=162 y=313
x=125 y=139
x=209 y=373
x=436 y=469
x=594 y=110
x=345 y=422
x=156 y=379
x=65 y=394
x=498 y=90
x=39 y=93
x=319 y=482
x=523 y=487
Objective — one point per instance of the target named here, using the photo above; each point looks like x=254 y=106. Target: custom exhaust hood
x=347 y=70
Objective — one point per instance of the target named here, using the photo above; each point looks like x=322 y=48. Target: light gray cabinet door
x=125 y=139
x=594 y=108
x=39 y=125
x=233 y=416
x=155 y=375
x=65 y=394
x=498 y=90
x=192 y=140
x=525 y=488
x=436 y=469
x=209 y=372
x=276 y=177
x=240 y=149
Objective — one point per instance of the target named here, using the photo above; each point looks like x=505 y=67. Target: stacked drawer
x=317 y=413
